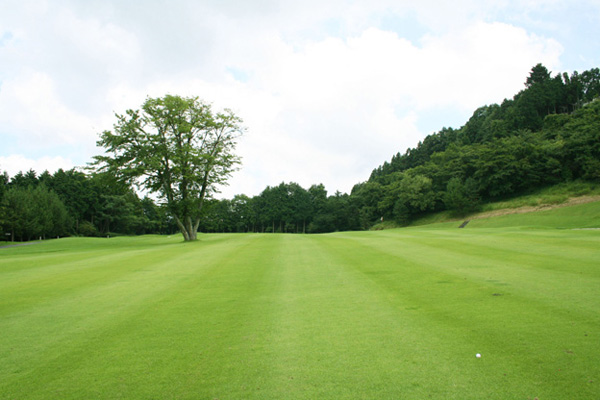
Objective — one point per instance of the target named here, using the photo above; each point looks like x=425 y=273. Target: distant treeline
x=546 y=134
x=75 y=203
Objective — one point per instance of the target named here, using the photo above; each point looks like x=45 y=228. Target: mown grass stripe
x=506 y=264
x=466 y=301
x=57 y=332
x=397 y=314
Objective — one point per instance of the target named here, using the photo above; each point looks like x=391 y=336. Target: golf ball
x=478 y=355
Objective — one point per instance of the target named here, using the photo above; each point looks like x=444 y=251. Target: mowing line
x=266 y=316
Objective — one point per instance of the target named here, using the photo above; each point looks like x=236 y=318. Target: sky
x=328 y=90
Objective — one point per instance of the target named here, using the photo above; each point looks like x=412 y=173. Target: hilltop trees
x=547 y=133
x=175 y=147
x=461 y=197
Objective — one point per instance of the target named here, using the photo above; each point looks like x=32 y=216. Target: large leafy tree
x=177 y=148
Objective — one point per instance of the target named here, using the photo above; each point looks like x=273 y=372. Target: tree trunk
x=187 y=229
x=195 y=228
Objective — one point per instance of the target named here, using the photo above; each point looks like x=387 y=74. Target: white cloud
x=349 y=105
x=485 y=62
x=102 y=49
x=327 y=93
x=16 y=163
x=30 y=105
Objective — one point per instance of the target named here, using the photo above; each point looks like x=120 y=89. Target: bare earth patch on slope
x=542 y=207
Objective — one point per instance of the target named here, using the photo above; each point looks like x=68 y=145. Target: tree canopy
x=177 y=148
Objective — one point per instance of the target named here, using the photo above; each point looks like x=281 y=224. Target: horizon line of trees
x=75 y=203
x=546 y=134
x=72 y=202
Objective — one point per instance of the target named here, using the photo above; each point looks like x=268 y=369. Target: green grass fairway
x=395 y=314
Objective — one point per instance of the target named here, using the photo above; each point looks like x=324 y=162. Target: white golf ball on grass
x=478 y=355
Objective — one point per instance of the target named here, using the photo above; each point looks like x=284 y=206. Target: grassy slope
x=553 y=196
x=580 y=216
x=392 y=314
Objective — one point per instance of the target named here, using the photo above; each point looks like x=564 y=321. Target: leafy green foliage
x=175 y=147
x=96 y=204
x=287 y=208
x=461 y=197
x=34 y=212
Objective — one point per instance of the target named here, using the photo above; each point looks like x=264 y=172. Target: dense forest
x=546 y=134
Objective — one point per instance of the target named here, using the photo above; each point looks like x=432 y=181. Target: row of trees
x=178 y=149
x=287 y=208
x=32 y=212
x=73 y=202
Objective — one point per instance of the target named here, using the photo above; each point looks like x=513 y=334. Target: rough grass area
x=552 y=195
x=391 y=314
x=579 y=216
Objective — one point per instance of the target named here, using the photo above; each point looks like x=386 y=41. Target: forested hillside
x=546 y=134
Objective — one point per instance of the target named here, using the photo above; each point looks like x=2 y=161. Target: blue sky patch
x=5 y=38
x=239 y=74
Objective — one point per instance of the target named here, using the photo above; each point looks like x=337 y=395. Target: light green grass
x=364 y=315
